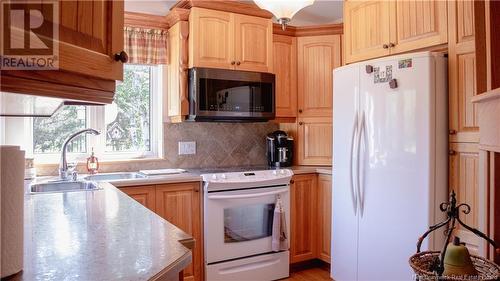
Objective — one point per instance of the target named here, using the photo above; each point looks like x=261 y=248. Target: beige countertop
x=99 y=235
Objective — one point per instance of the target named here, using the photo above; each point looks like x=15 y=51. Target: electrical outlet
x=187 y=147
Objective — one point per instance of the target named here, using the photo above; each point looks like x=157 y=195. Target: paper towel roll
x=12 y=209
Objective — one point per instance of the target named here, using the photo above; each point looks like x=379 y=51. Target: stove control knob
x=214 y=176
x=282 y=172
x=223 y=176
x=275 y=172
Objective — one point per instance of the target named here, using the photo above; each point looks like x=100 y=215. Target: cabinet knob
x=292 y=181
x=121 y=56
x=238 y=63
x=392 y=45
x=300 y=110
x=301 y=123
x=452 y=152
x=233 y=62
x=452 y=132
x=196 y=189
x=385 y=46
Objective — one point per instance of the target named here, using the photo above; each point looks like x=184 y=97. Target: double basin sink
x=88 y=183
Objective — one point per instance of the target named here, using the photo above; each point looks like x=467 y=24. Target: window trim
x=95 y=119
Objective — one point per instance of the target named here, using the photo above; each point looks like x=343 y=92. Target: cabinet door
x=317 y=57
x=91 y=32
x=285 y=69
x=253 y=43
x=324 y=217
x=315 y=138
x=366 y=29
x=462 y=78
x=303 y=218
x=211 y=39
x=464 y=169
x=418 y=24
x=142 y=194
x=180 y=204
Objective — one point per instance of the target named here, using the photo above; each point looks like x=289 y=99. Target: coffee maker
x=279 y=149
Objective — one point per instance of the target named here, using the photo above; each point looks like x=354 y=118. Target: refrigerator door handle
x=354 y=196
x=358 y=177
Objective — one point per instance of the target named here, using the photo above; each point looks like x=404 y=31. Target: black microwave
x=230 y=95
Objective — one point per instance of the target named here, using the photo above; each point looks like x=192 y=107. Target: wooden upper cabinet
x=464 y=180
x=180 y=204
x=463 y=81
x=145 y=195
x=324 y=217
x=285 y=70
x=418 y=24
x=366 y=29
x=229 y=41
x=314 y=141
x=91 y=33
x=303 y=210
x=253 y=45
x=316 y=59
x=211 y=39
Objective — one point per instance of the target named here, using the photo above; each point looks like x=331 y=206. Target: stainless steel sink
x=64 y=186
x=115 y=176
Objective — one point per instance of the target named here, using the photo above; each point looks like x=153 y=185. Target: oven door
x=239 y=223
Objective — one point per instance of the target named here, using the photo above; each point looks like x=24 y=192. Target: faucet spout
x=64 y=172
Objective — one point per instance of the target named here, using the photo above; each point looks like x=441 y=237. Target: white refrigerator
x=390 y=162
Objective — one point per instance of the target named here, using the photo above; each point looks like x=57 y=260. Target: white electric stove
x=238 y=219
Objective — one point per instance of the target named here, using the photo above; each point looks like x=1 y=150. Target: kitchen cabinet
x=314 y=141
x=317 y=56
x=324 y=217
x=379 y=28
x=145 y=195
x=285 y=70
x=229 y=41
x=463 y=179
x=303 y=206
x=90 y=35
x=462 y=79
x=180 y=204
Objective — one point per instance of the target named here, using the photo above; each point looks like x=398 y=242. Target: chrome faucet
x=64 y=171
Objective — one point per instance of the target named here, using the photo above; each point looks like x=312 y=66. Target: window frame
x=95 y=118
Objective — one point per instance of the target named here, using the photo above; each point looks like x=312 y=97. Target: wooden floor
x=310 y=274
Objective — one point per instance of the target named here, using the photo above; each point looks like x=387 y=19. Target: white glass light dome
x=283 y=10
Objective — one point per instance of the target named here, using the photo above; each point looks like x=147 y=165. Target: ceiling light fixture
x=283 y=10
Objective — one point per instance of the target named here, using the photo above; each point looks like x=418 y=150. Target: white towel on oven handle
x=279 y=236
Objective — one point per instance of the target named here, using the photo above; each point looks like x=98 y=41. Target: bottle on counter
x=92 y=163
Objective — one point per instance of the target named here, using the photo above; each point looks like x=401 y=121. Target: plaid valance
x=146 y=46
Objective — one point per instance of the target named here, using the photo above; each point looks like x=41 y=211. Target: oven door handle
x=251 y=195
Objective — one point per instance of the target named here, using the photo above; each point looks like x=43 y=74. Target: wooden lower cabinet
x=464 y=180
x=180 y=204
x=303 y=218
x=142 y=194
x=324 y=187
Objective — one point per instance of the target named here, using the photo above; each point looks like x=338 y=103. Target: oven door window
x=248 y=223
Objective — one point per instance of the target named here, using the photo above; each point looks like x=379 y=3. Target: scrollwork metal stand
x=452 y=211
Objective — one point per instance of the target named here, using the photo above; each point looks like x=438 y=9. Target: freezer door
x=395 y=173
x=344 y=213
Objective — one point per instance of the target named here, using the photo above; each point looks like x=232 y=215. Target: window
x=130 y=127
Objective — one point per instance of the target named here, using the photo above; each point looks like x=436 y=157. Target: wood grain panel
x=315 y=141
x=464 y=20
x=211 y=41
x=418 y=24
x=366 y=29
x=324 y=217
x=180 y=204
x=317 y=56
x=177 y=85
x=303 y=242
x=253 y=43
x=464 y=170
x=285 y=69
x=145 y=195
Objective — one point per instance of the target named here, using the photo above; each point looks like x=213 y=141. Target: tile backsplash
x=217 y=144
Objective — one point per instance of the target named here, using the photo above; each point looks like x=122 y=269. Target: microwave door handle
x=251 y=195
